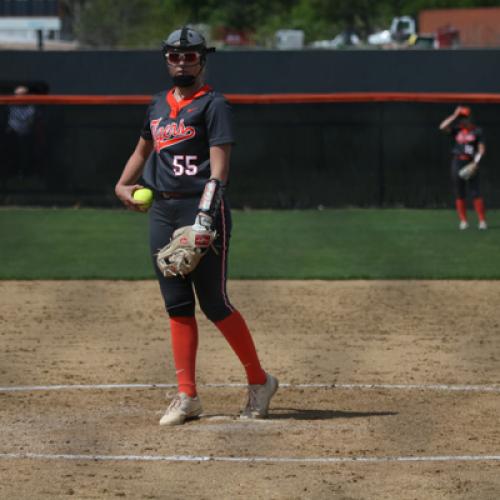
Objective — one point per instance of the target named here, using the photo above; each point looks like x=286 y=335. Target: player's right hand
x=125 y=195
x=462 y=111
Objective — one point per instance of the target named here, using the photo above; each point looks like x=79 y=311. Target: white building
x=29 y=23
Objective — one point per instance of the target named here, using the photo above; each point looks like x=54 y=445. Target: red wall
x=478 y=27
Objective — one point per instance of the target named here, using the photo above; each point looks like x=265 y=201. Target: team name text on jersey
x=170 y=134
x=464 y=136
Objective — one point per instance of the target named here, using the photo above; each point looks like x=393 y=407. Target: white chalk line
x=211 y=458
x=423 y=387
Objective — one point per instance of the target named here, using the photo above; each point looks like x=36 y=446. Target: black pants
x=460 y=186
x=209 y=278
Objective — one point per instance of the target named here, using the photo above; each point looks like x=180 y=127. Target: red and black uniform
x=465 y=147
x=183 y=133
x=177 y=172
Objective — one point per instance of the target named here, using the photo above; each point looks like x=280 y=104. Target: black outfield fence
x=260 y=71
x=288 y=155
x=293 y=152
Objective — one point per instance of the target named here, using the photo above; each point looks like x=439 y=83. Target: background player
x=468 y=146
x=183 y=153
x=20 y=137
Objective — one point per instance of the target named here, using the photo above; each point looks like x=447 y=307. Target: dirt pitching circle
x=389 y=386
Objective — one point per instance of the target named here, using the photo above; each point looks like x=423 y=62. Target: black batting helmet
x=186 y=39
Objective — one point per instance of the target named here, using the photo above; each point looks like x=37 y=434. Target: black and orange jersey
x=466 y=141
x=183 y=133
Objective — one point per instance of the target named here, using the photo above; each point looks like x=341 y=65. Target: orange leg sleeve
x=236 y=332
x=184 y=337
x=479 y=207
x=461 y=209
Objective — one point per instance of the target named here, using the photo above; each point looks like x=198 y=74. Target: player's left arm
x=214 y=189
x=220 y=156
x=220 y=138
x=481 y=147
x=481 y=150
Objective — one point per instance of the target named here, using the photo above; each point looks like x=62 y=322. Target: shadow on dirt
x=301 y=414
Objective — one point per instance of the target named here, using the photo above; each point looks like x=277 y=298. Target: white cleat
x=463 y=225
x=181 y=408
x=482 y=225
x=259 y=397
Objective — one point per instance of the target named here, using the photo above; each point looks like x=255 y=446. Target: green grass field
x=309 y=244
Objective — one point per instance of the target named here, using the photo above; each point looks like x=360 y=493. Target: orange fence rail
x=104 y=100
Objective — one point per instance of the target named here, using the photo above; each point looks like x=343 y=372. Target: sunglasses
x=187 y=57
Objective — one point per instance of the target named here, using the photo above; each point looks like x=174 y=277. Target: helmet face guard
x=186 y=40
x=189 y=46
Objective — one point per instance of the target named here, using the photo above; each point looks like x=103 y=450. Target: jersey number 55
x=185 y=165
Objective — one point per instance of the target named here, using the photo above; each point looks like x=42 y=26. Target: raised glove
x=184 y=252
x=468 y=171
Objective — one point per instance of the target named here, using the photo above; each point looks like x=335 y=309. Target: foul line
x=424 y=387
x=209 y=458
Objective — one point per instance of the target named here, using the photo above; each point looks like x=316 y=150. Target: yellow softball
x=145 y=196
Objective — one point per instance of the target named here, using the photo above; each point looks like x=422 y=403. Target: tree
x=143 y=23
x=135 y=23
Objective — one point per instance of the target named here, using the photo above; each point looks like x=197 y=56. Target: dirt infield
x=348 y=442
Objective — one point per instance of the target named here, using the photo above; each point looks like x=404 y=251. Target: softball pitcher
x=468 y=149
x=183 y=155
